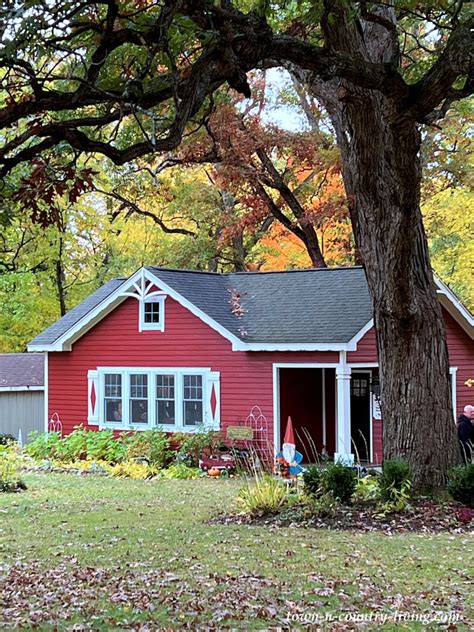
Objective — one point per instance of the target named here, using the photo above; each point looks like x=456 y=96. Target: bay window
x=175 y=399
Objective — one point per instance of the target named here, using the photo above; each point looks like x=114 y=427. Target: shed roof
x=19 y=370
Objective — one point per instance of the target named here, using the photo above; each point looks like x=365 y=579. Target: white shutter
x=93 y=404
x=213 y=403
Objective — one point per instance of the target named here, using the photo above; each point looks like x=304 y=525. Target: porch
x=333 y=409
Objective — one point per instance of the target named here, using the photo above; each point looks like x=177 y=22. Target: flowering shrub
x=132 y=469
x=10 y=480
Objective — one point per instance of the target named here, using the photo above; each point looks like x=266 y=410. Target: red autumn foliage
x=292 y=175
x=40 y=191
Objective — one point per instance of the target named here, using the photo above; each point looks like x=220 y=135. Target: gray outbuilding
x=21 y=394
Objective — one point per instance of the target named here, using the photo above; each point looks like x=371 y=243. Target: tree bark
x=380 y=147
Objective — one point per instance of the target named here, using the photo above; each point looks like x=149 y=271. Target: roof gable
x=323 y=309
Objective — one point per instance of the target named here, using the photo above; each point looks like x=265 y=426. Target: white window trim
x=453 y=375
x=153 y=297
x=178 y=373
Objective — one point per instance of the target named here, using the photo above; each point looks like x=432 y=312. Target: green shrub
x=262 y=495
x=340 y=480
x=132 y=469
x=461 y=484
x=7 y=439
x=10 y=480
x=43 y=446
x=322 y=506
x=152 y=445
x=312 y=480
x=181 y=471
x=192 y=446
x=395 y=479
x=105 y=446
x=73 y=447
x=367 y=488
x=82 y=445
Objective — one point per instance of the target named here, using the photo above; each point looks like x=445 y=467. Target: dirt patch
x=424 y=516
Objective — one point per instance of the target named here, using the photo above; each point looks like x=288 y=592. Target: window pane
x=165 y=412
x=113 y=385
x=165 y=386
x=113 y=410
x=113 y=397
x=193 y=387
x=139 y=398
x=152 y=312
x=138 y=411
x=139 y=386
x=192 y=413
x=165 y=404
x=192 y=396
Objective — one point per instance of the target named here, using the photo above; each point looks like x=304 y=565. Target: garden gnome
x=289 y=452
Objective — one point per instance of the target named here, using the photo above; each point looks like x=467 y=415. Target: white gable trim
x=18 y=389
x=225 y=333
x=126 y=290
x=455 y=308
x=296 y=346
x=136 y=286
x=359 y=335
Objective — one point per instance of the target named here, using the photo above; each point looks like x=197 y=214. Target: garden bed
x=423 y=516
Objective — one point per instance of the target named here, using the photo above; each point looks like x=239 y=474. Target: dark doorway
x=360 y=415
x=304 y=393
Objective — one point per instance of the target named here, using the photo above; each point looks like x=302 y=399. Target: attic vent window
x=152 y=313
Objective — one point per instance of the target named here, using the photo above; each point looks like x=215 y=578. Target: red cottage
x=180 y=349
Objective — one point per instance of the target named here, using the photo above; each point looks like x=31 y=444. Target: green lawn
x=118 y=554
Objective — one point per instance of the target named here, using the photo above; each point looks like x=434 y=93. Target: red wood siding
x=366 y=349
x=461 y=355
x=246 y=378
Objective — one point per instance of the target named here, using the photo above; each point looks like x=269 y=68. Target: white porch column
x=343 y=440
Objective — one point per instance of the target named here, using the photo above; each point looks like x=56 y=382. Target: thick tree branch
x=229 y=44
x=135 y=209
x=436 y=85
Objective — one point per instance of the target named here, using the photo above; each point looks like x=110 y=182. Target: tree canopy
x=128 y=79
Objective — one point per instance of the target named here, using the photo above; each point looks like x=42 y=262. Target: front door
x=360 y=415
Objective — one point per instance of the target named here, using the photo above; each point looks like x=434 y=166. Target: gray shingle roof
x=313 y=306
x=58 y=328
x=21 y=369
x=298 y=306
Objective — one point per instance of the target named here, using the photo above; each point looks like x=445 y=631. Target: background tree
x=126 y=80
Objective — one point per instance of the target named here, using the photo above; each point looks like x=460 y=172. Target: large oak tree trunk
x=382 y=173
x=416 y=399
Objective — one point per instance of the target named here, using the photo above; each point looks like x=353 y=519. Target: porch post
x=343 y=444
